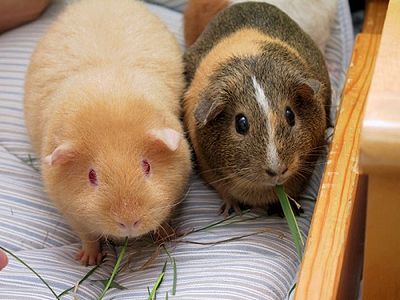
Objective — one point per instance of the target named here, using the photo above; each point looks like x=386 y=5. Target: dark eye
x=146 y=167
x=289 y=115
x=241 y=124
x=93 y=177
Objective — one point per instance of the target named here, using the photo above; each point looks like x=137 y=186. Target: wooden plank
x=380 y=159
x=328 y=240
x=352 y=262
x=375 y=13
x=381 y=278
x=381 y=128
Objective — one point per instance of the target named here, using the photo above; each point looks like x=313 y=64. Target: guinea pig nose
x=271 y=172
x=130 y=224
x=136 y=222
x=122 y=225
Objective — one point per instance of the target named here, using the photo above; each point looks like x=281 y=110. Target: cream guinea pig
x=102 y=108
x=257 y=104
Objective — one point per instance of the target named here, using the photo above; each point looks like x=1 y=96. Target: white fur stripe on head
x=273 y=157
x=260 y=96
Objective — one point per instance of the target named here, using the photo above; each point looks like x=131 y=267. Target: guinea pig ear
x=61 y=155
x=308 y=88
x=208 y=110
x=167 y=137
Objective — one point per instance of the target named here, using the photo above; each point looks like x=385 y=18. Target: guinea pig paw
x=89 y=257
x=228 y=208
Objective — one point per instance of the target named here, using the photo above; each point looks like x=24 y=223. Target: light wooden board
x=381 y=278
x=323 y=264
x=374 y=16
x=381 y=127
x=380 y=159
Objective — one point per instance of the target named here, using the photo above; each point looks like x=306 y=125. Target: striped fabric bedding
x=261 y=265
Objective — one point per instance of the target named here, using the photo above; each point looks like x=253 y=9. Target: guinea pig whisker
x=302 y=174
x=312 y=155
x=174 y=204
x=223 y=178
x=309 y=163
x=314 y=151
x=184 y=196
x=216 y=169
x=319 y=146
x=187 y=131
x=305 y=168
x=161 y=208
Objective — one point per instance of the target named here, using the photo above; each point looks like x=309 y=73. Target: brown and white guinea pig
x=257 y=103
x=102 y=108
x=315 y=17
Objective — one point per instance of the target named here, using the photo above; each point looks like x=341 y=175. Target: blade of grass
x=174 y=280
x=166 y=251
x=30 y=268
x=218 y=222
x=291 y=290
x=114 y=285
x=156 y=286
x=152 y=294
x=164 y=267
x=115 y=269
x=294 y=228
x=80 y=281
x=151 y=259
x=166 y=296
x=224 y=240
x=241 y=220
x=174 y=268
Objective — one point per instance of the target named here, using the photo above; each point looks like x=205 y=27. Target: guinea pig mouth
x=256 y=180
x=271 y=183
x=280 y=181
x=274 y=182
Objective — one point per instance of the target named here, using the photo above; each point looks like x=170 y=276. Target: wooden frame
x=332 y=264
x=380 y=159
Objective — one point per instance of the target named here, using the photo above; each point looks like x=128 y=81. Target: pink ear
x=61 y=155
x=168 y=136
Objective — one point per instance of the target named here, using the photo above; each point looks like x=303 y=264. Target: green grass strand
x=174 y=279
x=115 y=269
x=31 y=269
x=156 y=286
x=80 y=281
x=294 y=228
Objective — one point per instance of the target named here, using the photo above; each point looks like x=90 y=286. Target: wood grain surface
x=380 y=159
x=328 y=241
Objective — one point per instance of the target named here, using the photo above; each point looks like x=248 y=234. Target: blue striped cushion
x=259 y=266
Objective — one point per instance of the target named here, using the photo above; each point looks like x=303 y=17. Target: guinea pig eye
x=241 y=124
x=146 y=167
x=289 y=115
x=93 y=177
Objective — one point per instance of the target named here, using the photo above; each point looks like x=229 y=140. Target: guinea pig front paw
x=227 y=208
x=90 y=254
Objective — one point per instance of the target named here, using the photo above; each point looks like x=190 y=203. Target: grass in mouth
x=289 y=215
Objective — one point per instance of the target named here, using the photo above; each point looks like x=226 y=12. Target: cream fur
x=106 y=77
